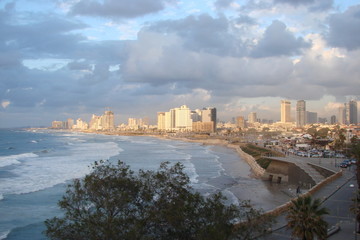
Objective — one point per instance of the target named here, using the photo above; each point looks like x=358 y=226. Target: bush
x=114 y=203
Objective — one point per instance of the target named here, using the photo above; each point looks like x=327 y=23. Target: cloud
x=245 y=19
x=118 y=8
x=5 y=103
x=203 y=33
x=220 y=4
x=333 y=106
x=344 y=29
x=314 y=5
x=279 y=41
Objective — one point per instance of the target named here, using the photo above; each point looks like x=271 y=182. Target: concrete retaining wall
x=282 y=208
x=257 y=169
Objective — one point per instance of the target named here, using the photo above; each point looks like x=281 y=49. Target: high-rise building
x=252 y=118
x=132 y=122
x=80 y=124
x=351 y=112
x=285 y=111
x=183 y=119
x=161 y=120
x=300 y=113
x=311 y=117
x=196 y=115
x=107 y=121
x=95 y=122
x=333 y=120
x=240 y=122
x=169 y=120
x=209 y=115
x=104 y=122
x=322 y=120
x=341 y=115
x=70 y=123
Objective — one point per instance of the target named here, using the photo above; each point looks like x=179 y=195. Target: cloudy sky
x=64 y=59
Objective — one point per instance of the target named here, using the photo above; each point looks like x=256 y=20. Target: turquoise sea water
x=36 y=165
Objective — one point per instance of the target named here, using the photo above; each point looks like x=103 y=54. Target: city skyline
x=62 y=59
x=183 y=118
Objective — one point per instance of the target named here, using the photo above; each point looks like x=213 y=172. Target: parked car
x=343 y=165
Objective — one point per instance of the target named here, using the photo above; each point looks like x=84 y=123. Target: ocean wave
x=47 y=171
x=14 y=159
x=3 y=235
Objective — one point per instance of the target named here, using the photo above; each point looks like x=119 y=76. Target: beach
x=36 y=166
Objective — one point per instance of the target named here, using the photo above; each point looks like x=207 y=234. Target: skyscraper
x=209 y=115
x=285 y=111
x=351 y=112
x=311 y=117
x=161 y=120
x=341 y=115
x=240 y=122
x=252 y=118
x=333 y=119
x=108 y=121
x=300 y=113
x=183 y=119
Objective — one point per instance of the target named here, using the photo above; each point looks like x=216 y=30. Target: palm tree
x=305 y=217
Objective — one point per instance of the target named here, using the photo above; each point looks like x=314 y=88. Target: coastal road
x=337 y=199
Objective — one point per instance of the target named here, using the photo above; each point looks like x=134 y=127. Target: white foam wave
x=14 y=159
x=47 y=171
x=3 y=235
x=1 y=197
x=230 y=196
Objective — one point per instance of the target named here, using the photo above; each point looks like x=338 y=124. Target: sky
x=64 y=59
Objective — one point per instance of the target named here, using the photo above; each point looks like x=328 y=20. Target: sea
x=36 y=165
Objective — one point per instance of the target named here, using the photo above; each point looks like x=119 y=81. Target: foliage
x=323 y=132
x=305 y=217
x=355 y=152
x=113 y=202
x=339 y=135
x=264 y=162
x=355 y=207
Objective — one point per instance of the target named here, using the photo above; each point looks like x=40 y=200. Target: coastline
x=238 y=179
x=256 y=170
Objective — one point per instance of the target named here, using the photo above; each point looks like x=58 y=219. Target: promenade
x=336 y=197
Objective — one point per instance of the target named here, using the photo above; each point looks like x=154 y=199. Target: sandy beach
x=238 y=176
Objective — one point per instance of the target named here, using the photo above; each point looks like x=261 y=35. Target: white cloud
x=5 y=103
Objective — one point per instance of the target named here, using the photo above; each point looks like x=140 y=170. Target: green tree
x=355 y=152
x=323 y=132
x=112 y=202
x=339 y=136
x=305 y=217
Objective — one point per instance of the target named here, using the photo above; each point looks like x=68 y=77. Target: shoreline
x=256 y=170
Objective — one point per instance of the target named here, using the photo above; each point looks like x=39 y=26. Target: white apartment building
x=183 y=121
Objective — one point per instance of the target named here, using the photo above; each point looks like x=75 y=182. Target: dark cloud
x=203 y=33
x=118 y=8
x=199 y=60
x=344 y=30
x=244 y=19
x=220 y=4
x=314 y=5
x=278 y=41
x=41 y=37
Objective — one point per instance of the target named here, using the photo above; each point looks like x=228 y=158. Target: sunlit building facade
x=285 y=111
